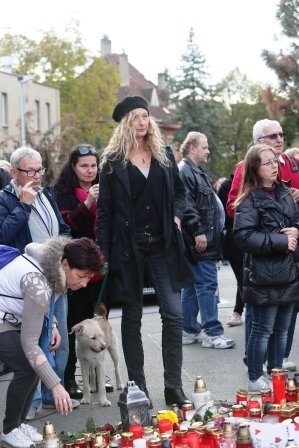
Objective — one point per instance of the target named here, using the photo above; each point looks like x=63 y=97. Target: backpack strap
x=293 y=163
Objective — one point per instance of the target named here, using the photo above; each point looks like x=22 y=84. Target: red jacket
x=288 y=176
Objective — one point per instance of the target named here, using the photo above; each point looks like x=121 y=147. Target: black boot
x=73 y=389
x=175 y=396
x=144 y=389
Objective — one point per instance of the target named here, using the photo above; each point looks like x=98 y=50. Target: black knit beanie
x=126 y=105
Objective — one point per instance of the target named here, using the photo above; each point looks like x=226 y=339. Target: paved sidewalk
x=222 y=370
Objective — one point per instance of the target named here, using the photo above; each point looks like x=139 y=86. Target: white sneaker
x=288 y=365
x=234 y=320
x=31 y=432
x=16 y=439
x=219 y=342
x=258 y=385
x=191 y=338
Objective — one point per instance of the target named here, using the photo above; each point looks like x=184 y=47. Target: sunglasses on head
x=274 y=136
x=86 y=150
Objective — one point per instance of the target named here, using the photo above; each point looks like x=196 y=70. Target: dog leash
x=103 y=288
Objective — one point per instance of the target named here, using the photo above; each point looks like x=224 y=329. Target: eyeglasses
x=274 y=136
x=271 y=162
x=32 y=173
x=85 y=150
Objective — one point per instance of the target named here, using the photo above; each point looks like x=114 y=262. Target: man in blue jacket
x=29 y=214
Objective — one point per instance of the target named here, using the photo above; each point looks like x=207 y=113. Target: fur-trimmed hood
x=49 y=255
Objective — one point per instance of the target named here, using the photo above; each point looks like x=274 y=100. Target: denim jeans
x=152 y=260
x=268 y=334
x=291 y=330
x=61 y=355
x=201 y=297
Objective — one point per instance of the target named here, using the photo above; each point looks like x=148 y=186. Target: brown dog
x=93 y=338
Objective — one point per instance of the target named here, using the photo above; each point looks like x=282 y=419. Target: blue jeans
x=152 y=259
x=61 y=355
x=201 y=297
x=269 y=331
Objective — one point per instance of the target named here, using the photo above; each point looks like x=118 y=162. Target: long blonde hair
x=123 y=140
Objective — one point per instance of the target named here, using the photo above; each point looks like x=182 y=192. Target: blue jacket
x=14 y=217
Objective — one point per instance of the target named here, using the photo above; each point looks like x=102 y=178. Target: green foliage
x=286 y=64
x=88 y=89
x=225 y=113
x=50 y=58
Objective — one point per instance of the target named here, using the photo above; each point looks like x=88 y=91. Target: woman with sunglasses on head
x=140 y=206
x=76 y=192
x=266 y=227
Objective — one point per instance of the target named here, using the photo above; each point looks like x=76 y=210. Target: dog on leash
x=93 y=338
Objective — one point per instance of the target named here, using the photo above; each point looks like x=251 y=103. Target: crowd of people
x=147 y=217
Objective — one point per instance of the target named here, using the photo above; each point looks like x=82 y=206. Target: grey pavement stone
x=222 y=370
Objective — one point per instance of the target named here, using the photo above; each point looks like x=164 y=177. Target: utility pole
x=22 y=80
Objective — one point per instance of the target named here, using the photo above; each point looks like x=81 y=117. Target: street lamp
x=22 y=80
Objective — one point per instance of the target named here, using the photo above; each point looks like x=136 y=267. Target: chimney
x=162 y=84
x=124 y=70
x=105 y=46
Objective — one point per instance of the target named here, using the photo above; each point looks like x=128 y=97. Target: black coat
x=116 y=232
x=201 y=214
x=257 y=224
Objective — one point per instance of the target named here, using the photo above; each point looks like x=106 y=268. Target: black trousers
x=81 y=305
x=23 y=384
x=152 y=260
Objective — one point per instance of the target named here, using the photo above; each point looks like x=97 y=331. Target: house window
x=37 y=115
x=48 y=116
x=4 y=111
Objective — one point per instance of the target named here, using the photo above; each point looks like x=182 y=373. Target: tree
x=88 y=88
x=225 y=112
x=50 y=58
x=285 y=102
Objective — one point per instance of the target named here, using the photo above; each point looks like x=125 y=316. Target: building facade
x=28 y=110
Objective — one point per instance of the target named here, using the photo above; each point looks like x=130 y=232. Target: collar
x=281 y=159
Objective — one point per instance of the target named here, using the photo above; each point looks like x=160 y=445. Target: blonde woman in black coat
x=266 y=228
x=140 y=207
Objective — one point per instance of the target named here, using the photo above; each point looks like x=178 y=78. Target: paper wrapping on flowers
x=267 y=435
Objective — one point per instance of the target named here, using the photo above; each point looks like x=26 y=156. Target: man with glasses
x=269 y=132
x=29 y=214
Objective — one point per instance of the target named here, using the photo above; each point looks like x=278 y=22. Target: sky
x=154 y=33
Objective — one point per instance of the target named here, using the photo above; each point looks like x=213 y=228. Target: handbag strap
x=51 y=313
x=103 y=288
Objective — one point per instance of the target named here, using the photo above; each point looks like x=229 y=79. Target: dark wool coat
x=257 y=225
x=116 y=232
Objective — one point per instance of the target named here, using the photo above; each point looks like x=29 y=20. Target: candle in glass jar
x=278 y=381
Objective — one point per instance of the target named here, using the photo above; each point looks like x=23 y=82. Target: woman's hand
x=56 y=339
x=290 y=231
x=93 y=195
x=178 y=222
x=62 y=400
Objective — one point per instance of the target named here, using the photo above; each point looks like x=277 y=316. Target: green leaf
x=90 y=425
